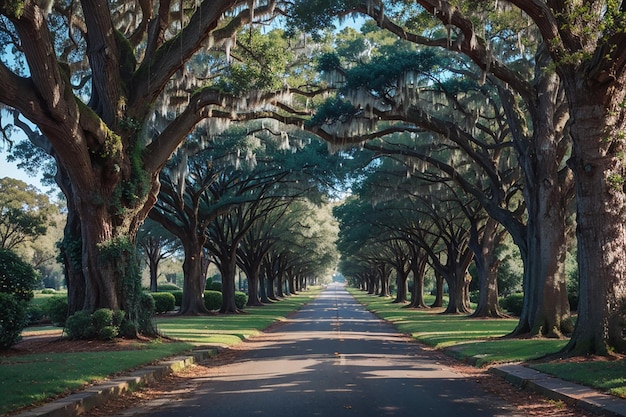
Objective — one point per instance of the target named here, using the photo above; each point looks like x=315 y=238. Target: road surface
x=333 y=358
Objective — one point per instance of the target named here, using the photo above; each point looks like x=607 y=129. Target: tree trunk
x=401 y=283
x=457 y=293
x=438 y=291
x=598 y=123
x=194 y=280
x=487 y=264
x=153 y=267
x=253 y=285
x=418 y=267
x=228 y=269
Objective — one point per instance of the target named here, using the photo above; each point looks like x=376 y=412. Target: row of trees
x=492 y=95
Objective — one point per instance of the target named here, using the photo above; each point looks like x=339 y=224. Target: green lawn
x=481 y=340
x=30 y=379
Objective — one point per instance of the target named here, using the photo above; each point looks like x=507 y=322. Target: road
x=333 y=358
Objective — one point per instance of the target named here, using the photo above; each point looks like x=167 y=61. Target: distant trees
x=25 y=213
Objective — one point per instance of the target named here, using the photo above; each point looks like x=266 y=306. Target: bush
x=79 y=326
x=102 y=324
x=16 y=276
x=163 y=302
x=212 y=300
x=13 y=319
x=474 y=296
x=207 y=285
x=35 y=313
x=178 y=297
x=55 y=309
x=48 y=291
x=145 y=321
x=513 y=303
x=168 y=287
x=216 y=286
x=241 y=299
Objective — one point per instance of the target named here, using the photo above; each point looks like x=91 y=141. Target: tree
x=25 y=214
x=528 y=101
x=91 y=81
x=157 y=244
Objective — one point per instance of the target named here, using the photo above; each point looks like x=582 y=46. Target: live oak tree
x=585 y=41
x=157 y=244
x=541 y=150
x=91 y=76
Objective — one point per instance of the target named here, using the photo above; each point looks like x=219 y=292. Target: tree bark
x=194 y=280
x=487 y=263
x=598 y=123
x=418 y=267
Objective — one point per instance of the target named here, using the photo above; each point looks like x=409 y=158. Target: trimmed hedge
x=178 y=297
x=513 y=303
x=241 y=299
x=163 y=302
x=212 y=300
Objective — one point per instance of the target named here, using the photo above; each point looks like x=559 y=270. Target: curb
x=578 y=395
x=93 y=396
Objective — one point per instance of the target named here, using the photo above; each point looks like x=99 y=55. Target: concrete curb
x=578 y=395
x=91 y=397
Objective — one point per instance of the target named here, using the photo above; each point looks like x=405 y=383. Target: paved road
x=333 y=359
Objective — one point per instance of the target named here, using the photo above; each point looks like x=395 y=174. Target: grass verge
x=27 y=380
x=480 y=341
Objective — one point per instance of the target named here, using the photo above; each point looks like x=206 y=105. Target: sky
x=10 y=169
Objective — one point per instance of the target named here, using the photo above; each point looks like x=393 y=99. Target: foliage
x=139 y=306
x=16 y=276
x=215 y=286
x=145 y=317
x=513 y=303
x=56 y=310
x=163 y=302
x=168 y=287
x=25 y=214
x=13 y=319
x=35 y=313
x=212 y=300
x=178 y=297
x=240 y=299
x=102 y=324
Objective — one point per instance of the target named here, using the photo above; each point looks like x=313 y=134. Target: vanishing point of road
x=333 y=358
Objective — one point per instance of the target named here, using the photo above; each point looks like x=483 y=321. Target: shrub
x=163 y=302
x=209 y=281
x=241 y=299
x=178 y=297
x=513 y=303
x=216 y=286
x=48 y=291
x=102 y=324
x=56 y=310
x=145 y=321
x=212 y=300
x=79 y=326
x=474 y=296
x=16 y=276
x=168 y=287
x=13 y=319
x=35 y=313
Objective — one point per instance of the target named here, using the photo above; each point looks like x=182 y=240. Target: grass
x=31 y=379
x=608 y=376
x=481 y=340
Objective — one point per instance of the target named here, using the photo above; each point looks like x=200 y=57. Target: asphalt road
x=335 y=359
